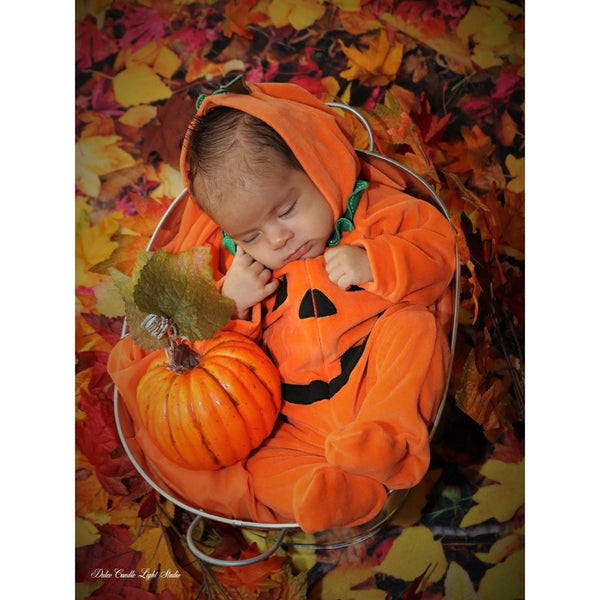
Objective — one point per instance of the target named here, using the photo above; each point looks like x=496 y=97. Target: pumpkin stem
x=184 y=358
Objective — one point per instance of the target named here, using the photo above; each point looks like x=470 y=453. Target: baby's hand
x=347 y=266
x=247 y=282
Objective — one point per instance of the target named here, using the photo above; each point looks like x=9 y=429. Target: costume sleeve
x=410 y=246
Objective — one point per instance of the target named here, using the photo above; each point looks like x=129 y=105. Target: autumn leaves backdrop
x=442 y=84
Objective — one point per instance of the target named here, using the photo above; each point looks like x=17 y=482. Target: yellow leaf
x=85 y=532
x=489 y=30
x=457 y=584
x=499 y=500
x=95 y=8
x=303 y=559
x=504 y=5
x=378 y=65
x=171 y=182
x=412 y=551
x=167 y=62
x=95 y=156
x=338 y=584
x=516 y=168
x=347 y=5
x=138 y=116
x=200 y=68
x=410 y=511
x=501 y=549
x=139 y=84
x=110 y=302
x=145 y=55
x=156 y=562
x=300 y=14
x=89 y=493
x=357 y=23
x=330 y=85
x=452 y=48
x=92 y=245
x=85 y=589
x=505 y=581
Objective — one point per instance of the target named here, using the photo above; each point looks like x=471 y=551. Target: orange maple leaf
x=469 y=154
x=238 y=15
x=465 y=259
x=378 y=65
x=252 y=576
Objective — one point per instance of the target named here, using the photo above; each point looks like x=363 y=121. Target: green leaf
x=180 y=286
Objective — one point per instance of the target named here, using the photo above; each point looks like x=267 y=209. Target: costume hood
x=317 y=136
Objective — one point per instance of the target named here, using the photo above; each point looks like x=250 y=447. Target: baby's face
x=279 y=216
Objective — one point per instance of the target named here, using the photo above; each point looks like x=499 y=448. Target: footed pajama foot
x=328 y=497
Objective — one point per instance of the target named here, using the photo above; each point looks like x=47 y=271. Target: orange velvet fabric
x=380 y=353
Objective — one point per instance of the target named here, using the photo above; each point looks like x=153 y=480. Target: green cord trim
x=344 y=223
x=228 y=243
x=235 y=86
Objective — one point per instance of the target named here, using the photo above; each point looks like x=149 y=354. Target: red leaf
x=411 y=592
x=92 y=45
x=251 y=576
x=109 y=559
x=110 y=328
x=100 y=382
x=382 y=549
x=165 y=135
x=96 y=436
x=148 y=506
x=142 y=25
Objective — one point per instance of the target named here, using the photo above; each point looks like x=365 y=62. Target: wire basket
x=290 y=534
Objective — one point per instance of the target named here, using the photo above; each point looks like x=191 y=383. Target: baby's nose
x=278 y=237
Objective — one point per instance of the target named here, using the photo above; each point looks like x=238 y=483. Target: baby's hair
x=226 y=136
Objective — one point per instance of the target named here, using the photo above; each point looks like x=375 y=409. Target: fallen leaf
x=410 y=511
x=92 y=245
x=96 y=156
x=501 y=549
x=139 y=84
x=164 y=137
x=138 y=116
x=457 y=584
x=253 y=577
x=498 y=500
x=488 y=29
x=412 y=551
x=479 y=398
x=378 y=65
x=505 y=581
x=123 y=257
x=516 y=168
x=465 y=259
x=341 y=583
x=300 y=14
x=166 y=62
x=238 y=15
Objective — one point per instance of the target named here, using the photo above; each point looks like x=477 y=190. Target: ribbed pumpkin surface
x=216 y=413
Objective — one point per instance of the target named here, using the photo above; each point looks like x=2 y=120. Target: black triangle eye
x=282 y=294
x=316 y=303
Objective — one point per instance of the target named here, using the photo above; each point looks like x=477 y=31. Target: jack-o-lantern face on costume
x=277 y=216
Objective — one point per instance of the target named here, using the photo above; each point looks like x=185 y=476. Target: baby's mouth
x=299 y=252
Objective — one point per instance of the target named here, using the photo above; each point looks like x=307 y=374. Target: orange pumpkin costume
x=362 y=370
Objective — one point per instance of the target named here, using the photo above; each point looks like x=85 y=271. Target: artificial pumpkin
x=217 y=401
